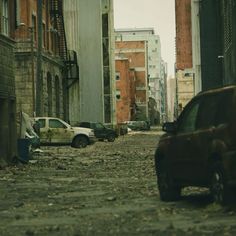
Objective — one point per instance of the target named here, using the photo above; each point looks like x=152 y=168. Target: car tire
x=167 y=189
x=111 y=138
x=80 y=142
x=221 y=193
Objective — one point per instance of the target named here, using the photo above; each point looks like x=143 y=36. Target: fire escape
x=69 y=57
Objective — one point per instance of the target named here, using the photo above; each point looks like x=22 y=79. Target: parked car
x=57 y=131
x=199 y=149
x=101 y=131
x=138 y=125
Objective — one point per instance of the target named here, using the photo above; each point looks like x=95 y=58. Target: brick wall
x=123 y=112
x=183 y=34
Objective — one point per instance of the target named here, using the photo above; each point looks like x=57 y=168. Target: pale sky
x=157 y=14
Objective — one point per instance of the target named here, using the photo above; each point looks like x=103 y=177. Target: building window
x=228 y=23
x=117 y=75
x=5 y=17
x=34 y=26
x=57 y=94
x=118 y=95
x=44 y=35
x=49 y=90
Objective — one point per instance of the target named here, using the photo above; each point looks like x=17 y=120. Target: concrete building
x=8 y=137
x=90 y=33
x=41 y=53
x=184 y=63
x=136 y=52
x=153 y=45
x=71 y=17
x=171 y=98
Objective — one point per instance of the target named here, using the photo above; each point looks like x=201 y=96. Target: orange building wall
x=28 y=8
x=123 y=104
x=135 y=52
x=183 y=34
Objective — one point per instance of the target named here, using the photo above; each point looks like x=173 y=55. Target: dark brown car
x=199 y=149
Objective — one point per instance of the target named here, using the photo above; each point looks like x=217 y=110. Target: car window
x=42 y=123
x=207 y=112
x=188 y=119
x=56 y=124
x=99 y=126
x=84 y=125
x=224 y=108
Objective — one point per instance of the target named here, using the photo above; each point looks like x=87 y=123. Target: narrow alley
x=104 y=189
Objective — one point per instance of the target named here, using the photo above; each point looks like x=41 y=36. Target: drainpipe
x=39 y=61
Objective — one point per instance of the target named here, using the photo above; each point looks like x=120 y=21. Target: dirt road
x=104 y=189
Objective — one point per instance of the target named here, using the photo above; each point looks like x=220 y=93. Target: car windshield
x=99 y=126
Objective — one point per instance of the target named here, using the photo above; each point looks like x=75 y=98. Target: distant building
x=136 y=52
x=153 y=57
x=8 y=138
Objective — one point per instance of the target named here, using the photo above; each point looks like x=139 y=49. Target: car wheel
x=111 y=138
x=80 y=142
x=218 y=187
x=167 y=189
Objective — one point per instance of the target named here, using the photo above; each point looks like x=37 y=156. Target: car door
x=59 y=132
x=100 y=130
x=213 y=116
x=182 y=143
x=43 y=129
x=202 y=137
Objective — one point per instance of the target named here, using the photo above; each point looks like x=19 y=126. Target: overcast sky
x=157 y=14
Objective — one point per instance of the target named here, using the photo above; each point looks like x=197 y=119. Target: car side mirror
x=169 y=127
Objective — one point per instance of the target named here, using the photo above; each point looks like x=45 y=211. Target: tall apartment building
x=184 y=66
x=90 y=32
x=8 y=143
x=41 y=56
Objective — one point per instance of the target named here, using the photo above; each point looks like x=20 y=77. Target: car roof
x=216 y=90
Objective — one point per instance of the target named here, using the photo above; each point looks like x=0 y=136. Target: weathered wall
x=211 y=44
x=8 y=148
x=90 y=61
x=71 y=17
x=229 y=44
x=183 y=34
x=52 y=101
x=51 y=95
x=123 y=85
x=135 y=51
x=96 y=61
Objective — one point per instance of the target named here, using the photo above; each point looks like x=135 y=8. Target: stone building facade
x=8 y=143
x=39 y=68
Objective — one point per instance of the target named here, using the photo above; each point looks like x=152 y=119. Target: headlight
x=91 y=133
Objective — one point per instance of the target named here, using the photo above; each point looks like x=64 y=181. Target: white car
x=56 y=131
